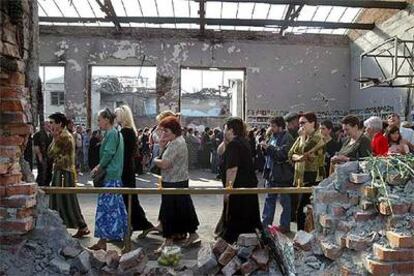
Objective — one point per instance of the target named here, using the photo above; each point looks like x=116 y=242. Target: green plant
x=381 y=168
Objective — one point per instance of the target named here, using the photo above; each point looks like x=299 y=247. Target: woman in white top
x=177 y=215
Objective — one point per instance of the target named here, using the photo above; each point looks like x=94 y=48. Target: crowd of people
x=295 y=150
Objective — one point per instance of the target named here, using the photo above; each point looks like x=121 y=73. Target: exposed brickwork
x=390 y=254
x=376 y=16
x=352 y=235
x=17 y=199
x=398 y=240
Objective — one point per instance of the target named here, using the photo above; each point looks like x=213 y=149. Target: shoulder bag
x=99 y=177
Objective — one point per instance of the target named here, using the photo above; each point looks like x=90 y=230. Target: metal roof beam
x=202 y=14
x=374 y=4
x=108 y=9
x=214 y=21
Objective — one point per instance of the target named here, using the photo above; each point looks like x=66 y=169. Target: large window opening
x=211 y=93
x=53 y=89
x=112 y=86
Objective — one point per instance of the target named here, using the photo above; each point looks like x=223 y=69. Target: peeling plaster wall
x=400 y=25
x=279 y=75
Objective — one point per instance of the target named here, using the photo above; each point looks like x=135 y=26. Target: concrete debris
x=353 y=212
x=98 y=258
x=112 y=259
x=303 y=240
x=247 y=240
x=231 y=267
x=60 y=266
x=82 y=262
x=131 y=259
x=70 y=251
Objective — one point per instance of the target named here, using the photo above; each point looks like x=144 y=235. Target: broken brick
x=331 y=250
x=231 y=268
x=365 y=216
x=261 y=256
x=219 y=247
x=206 y=260
x=397 y=240
x=247 y=239
x=356 y=242
x=389 y=254
x=227 y=255
x=327 y=221
x=248 y=267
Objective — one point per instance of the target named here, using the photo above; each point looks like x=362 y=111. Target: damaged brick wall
x=17 y=199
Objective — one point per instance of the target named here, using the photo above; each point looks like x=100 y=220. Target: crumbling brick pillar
x=17 y=198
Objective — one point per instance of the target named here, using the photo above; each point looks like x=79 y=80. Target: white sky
x=193 y=80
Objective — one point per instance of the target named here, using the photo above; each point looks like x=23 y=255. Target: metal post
x=129 y=232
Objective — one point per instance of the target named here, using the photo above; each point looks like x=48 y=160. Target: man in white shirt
x=406 y=133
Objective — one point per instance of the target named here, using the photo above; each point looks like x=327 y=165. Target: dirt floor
x=208 y=208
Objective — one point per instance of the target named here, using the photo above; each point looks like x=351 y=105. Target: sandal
x=193 y=239
x=164 y=244
x=81 y=233
x=145 y=233
x=97 y=246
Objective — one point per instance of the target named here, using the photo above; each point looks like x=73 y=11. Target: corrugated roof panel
x=307 y=13
x=245 y=10
x=213 y=9
x=260 y=11
x=50 y=8
x=165 y=8
x=336 y=14
x=322 y=13
x=350 y=15
x=148 y=7
x=229 y=10
x=180 y=6
x=277 y=12
x=119 y=9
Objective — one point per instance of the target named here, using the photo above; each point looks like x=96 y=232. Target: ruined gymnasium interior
x=208 y=60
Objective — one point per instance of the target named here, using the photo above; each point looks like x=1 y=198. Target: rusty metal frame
x=398 y=52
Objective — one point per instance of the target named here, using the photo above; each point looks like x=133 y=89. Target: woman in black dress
x=177 y=215
x=128 y=131
x=241 y=213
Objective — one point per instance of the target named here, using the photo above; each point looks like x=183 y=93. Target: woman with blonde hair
x=125 y=119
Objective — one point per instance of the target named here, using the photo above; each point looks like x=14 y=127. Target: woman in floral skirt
x=111 y=220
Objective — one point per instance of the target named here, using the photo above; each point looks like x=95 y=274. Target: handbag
x=99 y=177
x=154 y=169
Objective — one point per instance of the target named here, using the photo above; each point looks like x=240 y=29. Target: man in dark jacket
x=278 y=172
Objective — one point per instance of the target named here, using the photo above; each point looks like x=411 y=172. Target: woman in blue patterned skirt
x=111 y=216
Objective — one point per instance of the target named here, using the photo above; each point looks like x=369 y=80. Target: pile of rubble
x=50 y=250
x=247 y=257
x=361 y=225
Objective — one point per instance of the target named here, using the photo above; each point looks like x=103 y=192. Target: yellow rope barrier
x=176 y=191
